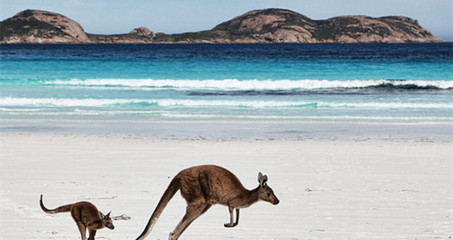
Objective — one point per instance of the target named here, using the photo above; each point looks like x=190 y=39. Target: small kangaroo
x=204 y=186
x=86 y=215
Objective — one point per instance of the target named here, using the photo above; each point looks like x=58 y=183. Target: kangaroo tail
x=65 y=208
x=168 y=195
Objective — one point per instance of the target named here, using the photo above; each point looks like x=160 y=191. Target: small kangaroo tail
x=64 y=208
x=166 y=197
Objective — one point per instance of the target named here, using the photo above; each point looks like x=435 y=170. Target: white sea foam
x=119 y=103
x=235 y=84
x=296 y=117
x=60 y=102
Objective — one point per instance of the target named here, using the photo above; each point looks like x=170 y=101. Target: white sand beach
x=328 y=189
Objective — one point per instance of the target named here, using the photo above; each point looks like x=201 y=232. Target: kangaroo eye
x=268 y=194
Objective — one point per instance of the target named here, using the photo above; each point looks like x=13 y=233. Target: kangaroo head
x=265 y=193
x=107 y=221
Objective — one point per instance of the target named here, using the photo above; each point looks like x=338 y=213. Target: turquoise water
x=288 y=82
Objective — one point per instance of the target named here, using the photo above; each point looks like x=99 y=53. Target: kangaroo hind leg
x=82 y=230
x=92 y=234
x=193 y=211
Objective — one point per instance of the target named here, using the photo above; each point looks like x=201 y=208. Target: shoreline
x=240 y=130
x=232 y=43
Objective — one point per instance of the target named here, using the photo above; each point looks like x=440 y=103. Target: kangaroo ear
x=108 y=214
x=262 y=179
x=101 y=214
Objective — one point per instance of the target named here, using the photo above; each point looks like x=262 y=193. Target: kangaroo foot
x=230 y=225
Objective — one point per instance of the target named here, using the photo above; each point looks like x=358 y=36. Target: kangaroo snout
x=276 y=201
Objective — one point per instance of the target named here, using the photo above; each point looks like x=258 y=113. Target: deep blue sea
x=270 y=82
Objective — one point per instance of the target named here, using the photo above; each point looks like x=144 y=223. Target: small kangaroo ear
x=108 y=214
x=262 y=179
x=101 y=214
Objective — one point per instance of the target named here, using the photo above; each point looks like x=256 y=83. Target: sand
x=328 y=188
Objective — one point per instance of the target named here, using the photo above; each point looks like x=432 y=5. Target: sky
x=178 y=16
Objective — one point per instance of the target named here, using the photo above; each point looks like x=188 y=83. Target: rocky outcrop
x=34 y=26
x=258 y=26
x=363 y=29
x=285 y=26
x=137 y=35
x=142 y=31
x=269 y=26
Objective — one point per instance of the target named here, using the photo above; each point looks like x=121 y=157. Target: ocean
x=246 y=83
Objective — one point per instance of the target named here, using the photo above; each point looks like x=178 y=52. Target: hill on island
x=258 y=26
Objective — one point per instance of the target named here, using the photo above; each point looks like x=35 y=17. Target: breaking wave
x=257 y=85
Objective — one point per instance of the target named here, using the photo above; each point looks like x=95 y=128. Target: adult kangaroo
x=86 y=215
x=204 y=186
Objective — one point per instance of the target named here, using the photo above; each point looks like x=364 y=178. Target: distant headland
x=258 y=26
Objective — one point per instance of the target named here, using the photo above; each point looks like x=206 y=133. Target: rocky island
x=258 y=26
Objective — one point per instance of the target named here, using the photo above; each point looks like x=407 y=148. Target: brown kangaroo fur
x=86 y=215
x=204 y=186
